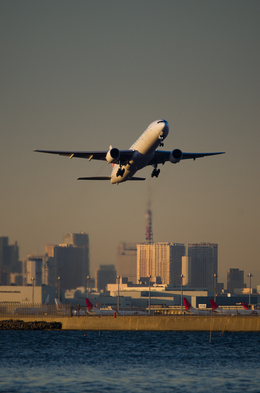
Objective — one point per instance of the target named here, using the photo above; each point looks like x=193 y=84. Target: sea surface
x=78 y=361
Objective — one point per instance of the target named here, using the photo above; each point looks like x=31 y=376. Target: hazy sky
x=86 y=74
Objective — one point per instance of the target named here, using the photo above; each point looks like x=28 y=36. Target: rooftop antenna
x=149 y=228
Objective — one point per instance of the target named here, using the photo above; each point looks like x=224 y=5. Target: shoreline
x=215 y=323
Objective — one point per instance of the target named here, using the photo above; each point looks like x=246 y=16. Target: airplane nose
x=165 y=129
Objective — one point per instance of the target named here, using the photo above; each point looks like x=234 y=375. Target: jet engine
x=175 y=156
x=113 y=155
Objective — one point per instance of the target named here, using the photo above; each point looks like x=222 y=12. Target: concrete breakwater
x=218 y=323
x=16 y=324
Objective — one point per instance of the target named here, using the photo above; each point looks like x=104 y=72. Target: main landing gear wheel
x=155 y=172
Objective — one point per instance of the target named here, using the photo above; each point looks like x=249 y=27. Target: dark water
x=61 y=361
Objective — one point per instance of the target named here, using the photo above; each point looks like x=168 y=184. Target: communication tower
x=149 y=228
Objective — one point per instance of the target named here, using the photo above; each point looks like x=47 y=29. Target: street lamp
x=215 y=285
x=149 y=304
x=59 y=287
x=118 y=278
x=182 y=276
x=87 y=284
x=250 y=275
x=33 y=289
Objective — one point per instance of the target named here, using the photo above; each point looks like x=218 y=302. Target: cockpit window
x=161 y=121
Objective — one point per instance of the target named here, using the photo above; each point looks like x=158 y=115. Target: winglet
x=245 y=305
x=186 y=304
x=214 y=305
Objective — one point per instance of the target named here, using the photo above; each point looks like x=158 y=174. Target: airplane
x=192 y=310
x=231 y=311
x=67 y=311
x=33 y=310
x=250 y=311
x=97 y=311
x=142 y=153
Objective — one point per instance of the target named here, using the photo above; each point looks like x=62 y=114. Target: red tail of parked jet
x=89 y=304
x=193 y=310
x=231 y=311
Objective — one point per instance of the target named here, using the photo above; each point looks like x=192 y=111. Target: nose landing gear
x=120 y=172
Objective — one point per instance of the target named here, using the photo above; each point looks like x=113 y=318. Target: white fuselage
x=143 y=150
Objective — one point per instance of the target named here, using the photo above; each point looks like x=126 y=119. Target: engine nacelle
x=175 y=156
x=113 y=155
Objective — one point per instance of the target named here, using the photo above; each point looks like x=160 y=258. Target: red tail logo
x=89 y=304
x=186 y=304
x=214 y=305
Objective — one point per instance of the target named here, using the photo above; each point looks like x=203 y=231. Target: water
x=76 y=361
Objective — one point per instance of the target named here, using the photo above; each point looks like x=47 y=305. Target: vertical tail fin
x=89 y=304
x=186 y=304
x=214 y=305
x=245 y=305
x=47 y=300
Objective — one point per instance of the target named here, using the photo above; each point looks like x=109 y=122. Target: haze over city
x=85 y=75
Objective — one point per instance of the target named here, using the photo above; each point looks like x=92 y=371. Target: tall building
x=70 y=261
x=105 y=274
x=235 y=279
x=203 y=265
x=33 y=270
x=9 y=260
x=160 y=260
x=126 y=261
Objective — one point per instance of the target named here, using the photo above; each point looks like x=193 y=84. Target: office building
x=69 y=261
x=9 y=260
x=105 y=274
x=235 y=280
x=162 y=260
x=126 y=261
x=203 y=265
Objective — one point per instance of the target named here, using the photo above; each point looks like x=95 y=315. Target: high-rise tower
x=149 y=228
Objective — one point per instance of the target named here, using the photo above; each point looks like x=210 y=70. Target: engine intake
x=175 y=156
x=113 y=155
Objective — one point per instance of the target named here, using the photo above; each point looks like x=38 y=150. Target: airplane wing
x=160 y=156
x=90 y=155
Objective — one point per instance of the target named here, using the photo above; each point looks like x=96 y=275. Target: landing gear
x=120 y=172
x=155 y=172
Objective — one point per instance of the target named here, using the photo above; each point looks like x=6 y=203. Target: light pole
x=33 y=289
x=182 y=276
x=215 y=285
x=59 y=287
x=250 y=275
x=118 y=278
x=87 y=284
x=149 y=304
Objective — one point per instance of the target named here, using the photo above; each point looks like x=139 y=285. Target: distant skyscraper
x=235 y=279
x=71 y=260
x=126 y=261
x=105 y=274
x=203 y=265
x=160 y=260
x=9 y=260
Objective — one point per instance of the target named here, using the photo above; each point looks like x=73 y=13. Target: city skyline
x=86 y=75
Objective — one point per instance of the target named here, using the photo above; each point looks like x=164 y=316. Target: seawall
x=216 y=323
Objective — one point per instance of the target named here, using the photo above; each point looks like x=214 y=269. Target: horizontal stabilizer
x=95 y=178
x=137 y=178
